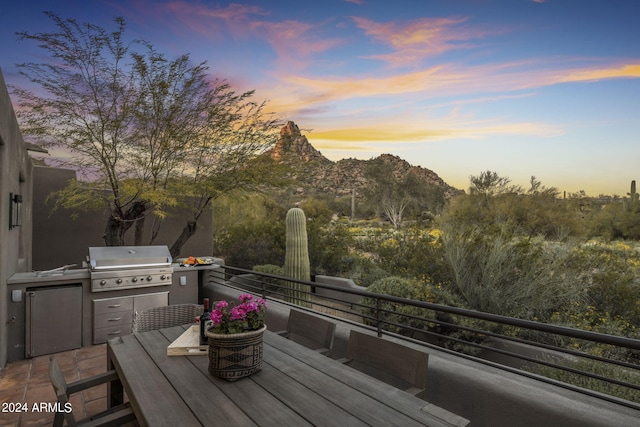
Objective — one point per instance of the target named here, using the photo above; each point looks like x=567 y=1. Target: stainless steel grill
x=128 y=267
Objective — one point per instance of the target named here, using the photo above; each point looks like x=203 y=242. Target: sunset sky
x=549 y=88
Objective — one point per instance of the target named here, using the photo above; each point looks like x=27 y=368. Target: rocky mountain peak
x=293 y=144
x=316 y=173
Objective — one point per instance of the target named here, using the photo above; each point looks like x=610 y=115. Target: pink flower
x=238 y=313
x=247 y=315
x=216 y=317
x=251 y=306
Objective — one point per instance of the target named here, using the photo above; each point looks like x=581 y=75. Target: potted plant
x=235 y=337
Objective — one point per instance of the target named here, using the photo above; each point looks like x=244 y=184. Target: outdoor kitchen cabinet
x=113 y=317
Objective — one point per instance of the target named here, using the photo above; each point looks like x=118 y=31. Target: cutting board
x=188 y=344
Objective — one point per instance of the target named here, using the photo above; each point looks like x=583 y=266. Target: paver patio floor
x=25 y=384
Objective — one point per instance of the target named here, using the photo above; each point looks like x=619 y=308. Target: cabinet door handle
x=114 y=319
x=114 y=333
x=115 y=306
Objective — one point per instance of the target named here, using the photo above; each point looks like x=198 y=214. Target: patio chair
x=401 y=366
x=310 y=331
x=116 y=416
x=166 y=316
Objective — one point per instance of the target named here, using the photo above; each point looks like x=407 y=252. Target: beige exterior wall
x=60 y=239
x=16 y=174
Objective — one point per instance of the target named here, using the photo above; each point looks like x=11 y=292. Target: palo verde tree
x=144 y=132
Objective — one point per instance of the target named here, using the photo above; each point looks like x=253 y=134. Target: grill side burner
x=129 y=267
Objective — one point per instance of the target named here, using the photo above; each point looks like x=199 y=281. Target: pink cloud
x=293 y=41
x=413 y=41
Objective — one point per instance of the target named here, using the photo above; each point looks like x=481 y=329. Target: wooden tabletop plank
x=314 y=407
x=205 y=400
x=139 y=374
x=250 y=397
x=367 y=409
x=399 y=400
x=247 y=395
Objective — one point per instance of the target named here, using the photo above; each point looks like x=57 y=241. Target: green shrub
x=598 y=368
x=247 y=244
x=362 y=270
x=272 y=285
x=397 y=317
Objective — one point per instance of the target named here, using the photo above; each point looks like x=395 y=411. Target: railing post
x=379 y=316
x=263 y=288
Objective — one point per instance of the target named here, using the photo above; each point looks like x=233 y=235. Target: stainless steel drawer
x=110 y=305
x=113 y=319
x=105 y=334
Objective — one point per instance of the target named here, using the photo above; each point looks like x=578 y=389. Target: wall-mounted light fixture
x=15 y=210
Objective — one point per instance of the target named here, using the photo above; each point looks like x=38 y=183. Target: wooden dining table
x=296 y=386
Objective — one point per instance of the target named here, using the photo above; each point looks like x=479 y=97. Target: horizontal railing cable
x=410 y=325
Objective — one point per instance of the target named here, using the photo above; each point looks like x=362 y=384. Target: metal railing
x=601 y=365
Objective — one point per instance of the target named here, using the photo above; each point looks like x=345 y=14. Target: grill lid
x=117 y=257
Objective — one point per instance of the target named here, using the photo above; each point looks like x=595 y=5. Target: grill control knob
x=164 y=277
x=134 y=279
x=103 y=282
x=118 y=281
x=149 y=278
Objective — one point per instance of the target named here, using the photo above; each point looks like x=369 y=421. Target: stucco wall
x=61 y=239
x=15 y=177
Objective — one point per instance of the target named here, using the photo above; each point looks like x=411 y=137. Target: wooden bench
x=310 y=331
x=396 y=364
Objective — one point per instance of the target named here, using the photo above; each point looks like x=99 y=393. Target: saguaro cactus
x=296 y=261
x=633 y=196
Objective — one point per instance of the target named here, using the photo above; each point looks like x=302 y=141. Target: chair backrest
x=166 y=316
x=60 y=387
x=396 y=364
x=311 y=331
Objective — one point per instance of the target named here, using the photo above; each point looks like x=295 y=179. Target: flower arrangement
x=248 y=315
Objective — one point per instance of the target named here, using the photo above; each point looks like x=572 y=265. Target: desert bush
x=361 y=269
x=411 y=252
x=272 y=284
x=328 y=245
x=597 y=368
x=397 y=317
x=247 y=244
x=511 y=275
x=434 y=326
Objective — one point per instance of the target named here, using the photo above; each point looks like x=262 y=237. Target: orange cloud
x=412 y=41
x=443 y=80
x=324 y=90
x=397 y=130
x=595 y=74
